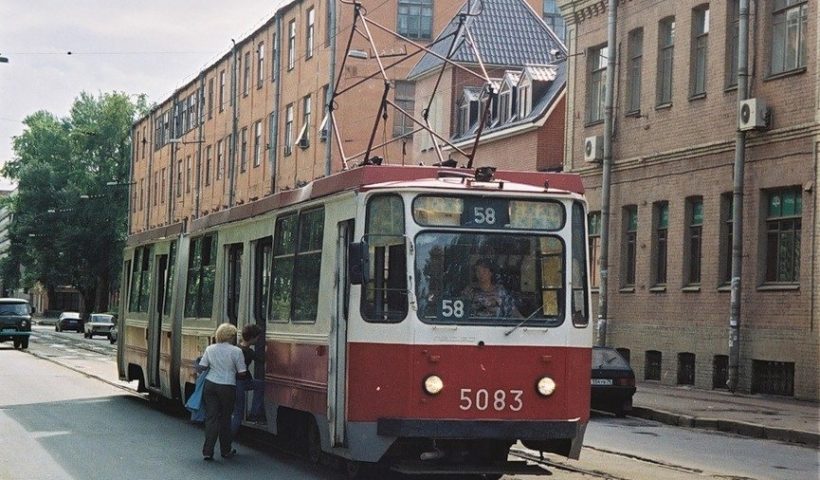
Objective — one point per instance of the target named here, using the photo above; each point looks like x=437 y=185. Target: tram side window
x=169 y=286
x=297 y=258
x=284 y=250
x=385 y=296
x=307 y=266
x=141 y=279
x=262 y=278
x=201 y=268
x=580 y=285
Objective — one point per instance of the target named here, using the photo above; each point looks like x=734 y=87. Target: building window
x=652 y=365
x=188 y=167
x=630 y=245
x=415 y=18
x=323 y=127
x=524 y=100
x=406 y=100
x=303 y=140
x=686 y=368
x=222 y=90
x=272 y=140
x=246 y=75
x=726 y=215
x=774 y=378
x=635 y=52
x=243 y=150
x=596 y=85
x=783 y=230
x=142 y=192
x=291 y=44
x=720 y=372
x=162 y=182
x=468 y=110
x=311 y=27
x=594 y=233
x=274 y=59
x=220 y=158
x=788 y=35
x=288 y=129
x=732 y=36
x=210 y=98
x=661 y=238
x=257 y=143
x=700 y=50
x=260 y=65
x=694 y=236
x=666 y=55
x=208 y=165
x=179 y=178
x=552 y=17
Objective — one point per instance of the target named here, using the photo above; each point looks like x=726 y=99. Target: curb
x=729 y=426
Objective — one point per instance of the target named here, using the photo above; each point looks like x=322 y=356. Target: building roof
x=506 y=32
x=541 y=73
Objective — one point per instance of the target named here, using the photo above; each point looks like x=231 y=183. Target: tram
x=420 y=318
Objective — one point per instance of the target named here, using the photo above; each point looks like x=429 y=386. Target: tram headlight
x=433 y=384
x=546 y=386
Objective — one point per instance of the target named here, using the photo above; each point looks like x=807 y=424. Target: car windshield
x=71 y=315
x=14 y=309
x=490 y=279
x=101 y=318
x=608 y=358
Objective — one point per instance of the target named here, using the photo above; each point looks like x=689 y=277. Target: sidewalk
x=758 y=416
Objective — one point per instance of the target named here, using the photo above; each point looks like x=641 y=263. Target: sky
x=150 y=47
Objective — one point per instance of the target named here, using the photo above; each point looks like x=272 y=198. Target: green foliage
x=57 y=237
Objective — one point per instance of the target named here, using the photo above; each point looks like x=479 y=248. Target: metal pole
x=609 y=102
x=332 y=81
x=737 y=197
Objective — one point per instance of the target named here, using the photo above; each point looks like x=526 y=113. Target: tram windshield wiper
x=522 y=322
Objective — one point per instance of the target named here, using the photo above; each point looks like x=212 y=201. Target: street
x=63 y=415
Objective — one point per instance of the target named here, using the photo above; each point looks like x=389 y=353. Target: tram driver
x=489 y=298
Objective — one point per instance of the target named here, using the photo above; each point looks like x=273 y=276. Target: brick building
x=675 y=123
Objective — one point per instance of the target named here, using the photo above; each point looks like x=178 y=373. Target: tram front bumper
x=479 y=429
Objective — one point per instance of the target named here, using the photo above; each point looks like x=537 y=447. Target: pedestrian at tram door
x=250 y=337
x=225 y=365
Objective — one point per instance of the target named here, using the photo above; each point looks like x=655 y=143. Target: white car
x=99 y=324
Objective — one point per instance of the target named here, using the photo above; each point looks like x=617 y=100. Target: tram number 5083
x=483 y=399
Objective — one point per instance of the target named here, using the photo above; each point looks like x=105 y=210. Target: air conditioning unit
x=594 y=148
x=753 y=114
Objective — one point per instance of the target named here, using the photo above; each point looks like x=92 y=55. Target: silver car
x=99 y=324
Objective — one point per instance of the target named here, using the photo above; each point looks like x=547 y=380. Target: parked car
x=612 y=382
x=15 y=321
x=98 y=324
x=69 y=321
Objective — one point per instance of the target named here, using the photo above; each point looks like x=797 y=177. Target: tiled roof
x=506 y=32
x=541 y=73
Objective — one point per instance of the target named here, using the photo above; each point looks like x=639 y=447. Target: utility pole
x=609 y=117
x=737 y=197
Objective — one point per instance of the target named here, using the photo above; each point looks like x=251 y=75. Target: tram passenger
x=250 y=336
x=225 y=363
x=488 y=298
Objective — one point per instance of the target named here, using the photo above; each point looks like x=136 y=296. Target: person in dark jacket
x=250 y=337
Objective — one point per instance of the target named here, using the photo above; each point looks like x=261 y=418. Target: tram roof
x=372 y=177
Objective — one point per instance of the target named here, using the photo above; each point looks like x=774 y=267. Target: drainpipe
x=235 y=120
x=609 y=103
x=274 y=144
x=330 y=85
x=200 y=141
x=151 y=123
x=737 y=201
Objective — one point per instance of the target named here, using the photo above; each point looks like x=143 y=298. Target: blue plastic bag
x=194 y=403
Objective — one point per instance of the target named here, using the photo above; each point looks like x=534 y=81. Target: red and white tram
x=420 y=318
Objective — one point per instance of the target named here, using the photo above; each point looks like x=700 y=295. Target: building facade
x=674 y=130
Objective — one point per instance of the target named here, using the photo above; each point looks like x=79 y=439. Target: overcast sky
x=150 y=47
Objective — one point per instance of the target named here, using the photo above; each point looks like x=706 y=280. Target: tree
x=70 y=226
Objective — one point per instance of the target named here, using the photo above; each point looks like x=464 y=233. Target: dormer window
x=507 y=98
x=468 y=109
x=524 y=100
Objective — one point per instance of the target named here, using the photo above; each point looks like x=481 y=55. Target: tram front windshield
x=503 y=278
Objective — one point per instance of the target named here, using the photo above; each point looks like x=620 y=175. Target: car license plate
x=600 y=381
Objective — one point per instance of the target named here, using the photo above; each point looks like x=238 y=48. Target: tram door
x=155 y=322
x=337 y=375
